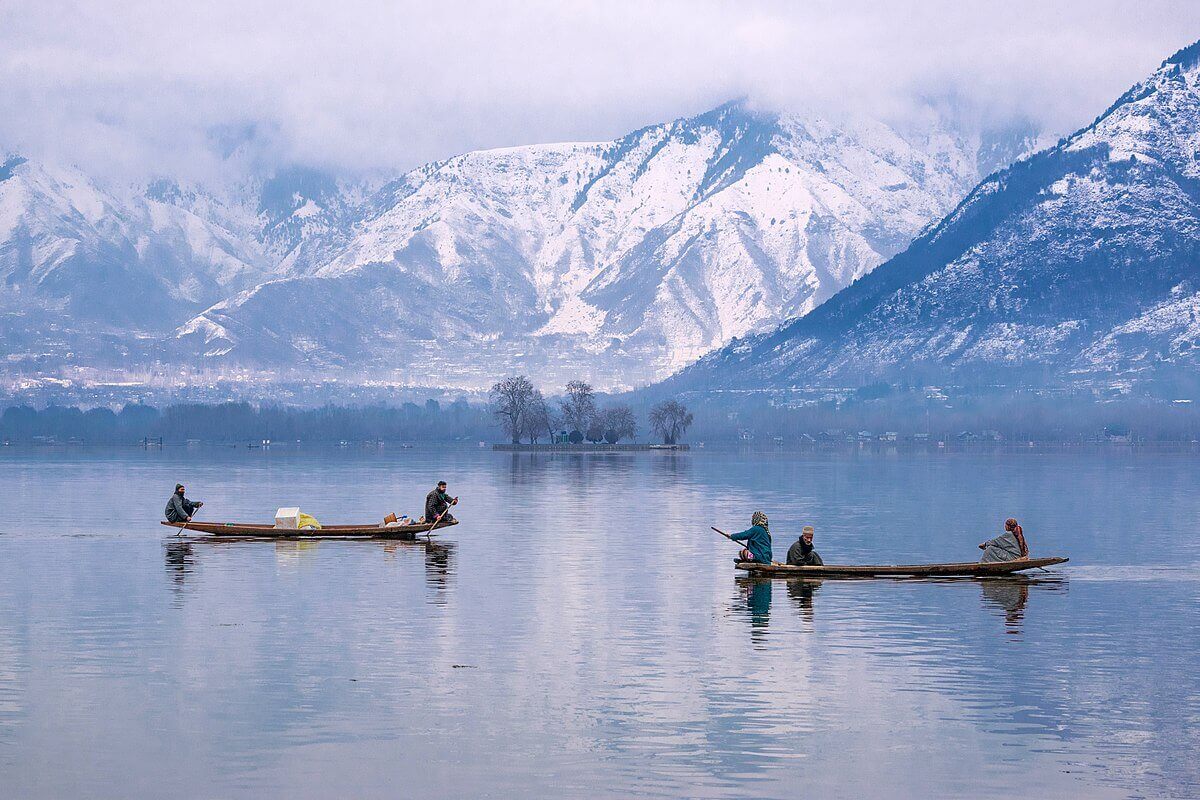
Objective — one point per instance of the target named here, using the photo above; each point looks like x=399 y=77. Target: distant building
x=889 y=436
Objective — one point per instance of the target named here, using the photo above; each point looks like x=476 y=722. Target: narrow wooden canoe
x=968 y=569
x=324 y=532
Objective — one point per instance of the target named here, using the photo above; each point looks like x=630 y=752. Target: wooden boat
x=249 y=530
x=971 y=569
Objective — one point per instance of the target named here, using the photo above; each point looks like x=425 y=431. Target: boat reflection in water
x=181 y=554
x=1009 y=594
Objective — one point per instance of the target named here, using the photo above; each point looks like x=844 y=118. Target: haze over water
x=583 y=633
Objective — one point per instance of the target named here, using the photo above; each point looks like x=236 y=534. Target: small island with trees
x=576 y=422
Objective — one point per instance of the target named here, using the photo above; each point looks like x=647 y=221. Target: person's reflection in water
x=757 y=595
x=439 y=564
x=1010 y=595
x=180 y=561
x=802 y=591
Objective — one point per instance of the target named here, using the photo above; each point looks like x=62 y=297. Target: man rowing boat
x=437 y=504
x=179 y=508
x=757 y=538
x=1008 y=546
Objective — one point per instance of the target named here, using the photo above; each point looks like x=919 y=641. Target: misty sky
x=141 y=88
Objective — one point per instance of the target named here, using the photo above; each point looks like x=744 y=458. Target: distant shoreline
x=588 y=448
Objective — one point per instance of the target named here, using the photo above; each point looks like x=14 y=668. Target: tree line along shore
x=790 y=418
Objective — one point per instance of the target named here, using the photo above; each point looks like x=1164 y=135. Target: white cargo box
x=287 y=518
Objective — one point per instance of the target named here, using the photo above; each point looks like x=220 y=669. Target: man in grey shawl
x=1008 y=546
x=179 y=508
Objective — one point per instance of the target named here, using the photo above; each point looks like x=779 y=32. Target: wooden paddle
x=739 y=544
x=189 y=520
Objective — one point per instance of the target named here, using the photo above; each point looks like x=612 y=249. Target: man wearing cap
x=179 y=508
x=801 y=554
x=436 y=504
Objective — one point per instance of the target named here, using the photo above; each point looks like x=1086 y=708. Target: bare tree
x=510 y=403
x=539 y=418
x=579 y=406
x=619 y=423
x=670 y=419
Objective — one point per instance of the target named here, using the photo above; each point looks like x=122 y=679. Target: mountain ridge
x=1033 y=275
x=616 y=261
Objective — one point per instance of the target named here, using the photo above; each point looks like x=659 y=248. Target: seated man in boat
x=437 y=502
x=1008 y=546
x=757 y=538
x=179 y=508
x=801 y=554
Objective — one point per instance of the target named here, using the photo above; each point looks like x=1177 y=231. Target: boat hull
x=970 y=569
x=251 y=531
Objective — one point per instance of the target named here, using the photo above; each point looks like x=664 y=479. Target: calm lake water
x=583 y=634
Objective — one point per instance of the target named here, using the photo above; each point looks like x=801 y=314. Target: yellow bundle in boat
x=305 y=521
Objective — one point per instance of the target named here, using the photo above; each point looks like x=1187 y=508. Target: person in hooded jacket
x=179 y=508
x=757 y=538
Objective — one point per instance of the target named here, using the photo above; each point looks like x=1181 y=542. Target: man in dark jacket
x=436 y=504
x=801 y=554
x=179 y=508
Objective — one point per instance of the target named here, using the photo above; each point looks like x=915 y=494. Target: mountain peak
x=1186 y=57
x=1061 y=267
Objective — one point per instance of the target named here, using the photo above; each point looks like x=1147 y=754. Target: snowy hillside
x=618 y=261
x=1079 y=263
x=66 y=243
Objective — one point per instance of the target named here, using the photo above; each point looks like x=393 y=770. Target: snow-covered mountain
x=618 y=261
x=67 y=244
x=1081 y=262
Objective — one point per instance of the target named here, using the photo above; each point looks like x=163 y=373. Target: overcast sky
x=144 y=87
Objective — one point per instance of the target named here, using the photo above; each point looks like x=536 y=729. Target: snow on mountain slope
x=107 y=263
x=1081 y=262
x=617 y=261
